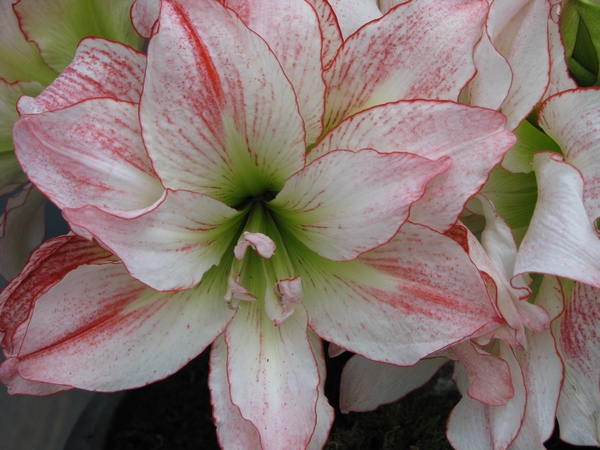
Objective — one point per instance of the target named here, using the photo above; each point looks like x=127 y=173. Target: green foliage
x=580 y=28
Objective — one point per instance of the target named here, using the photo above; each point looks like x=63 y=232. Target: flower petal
x=9 y=375
x=417 y=50
x=561 y=240
x=99 y=69
x=218 y=114
x=524 y=41
x=579 y=405
x=57 y=27
x=367 y=384
x=572 y=119
x=476 y=425
x=22 y=229
x=490 y=85
x=273 y=376
x=169 y=246
x=474 y=138
x=144 y=14
x=330 y=30
x=49 y=264
x=295 y=41
x=88 y=154
x=347 y=203
x=415 y=295
x=100 y=313
x=560 y=80
x=233 y=431
x=353 y=14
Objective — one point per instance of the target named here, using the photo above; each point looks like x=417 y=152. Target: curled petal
x=263 y=245
x=47 y=266
x=572 y=119
x=560 y=240
x=144 y=14
x=99 y=69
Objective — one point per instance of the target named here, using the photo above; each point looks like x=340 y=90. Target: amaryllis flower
x=190 y=165
x=510 y=379
x=38 y=39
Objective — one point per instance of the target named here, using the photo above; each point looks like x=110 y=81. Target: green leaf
x=580 y=28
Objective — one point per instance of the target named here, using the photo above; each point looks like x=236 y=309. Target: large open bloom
x=190 y=165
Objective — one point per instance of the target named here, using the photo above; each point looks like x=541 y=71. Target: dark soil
x=176 y=414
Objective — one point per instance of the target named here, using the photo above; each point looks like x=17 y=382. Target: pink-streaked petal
x=353 y=14
x=377 y=65
x=346 y=203
x=325 y=413
x=475 y=425
x=99 y=69
x=543 y=374
x=572 y=119
x=295 y=41
x=560 y=240
x=490 y=85
x=49 y=264
x=218 y=114
x=9 y=375
x=391 y=304
x=233 y=431
x=489 y=376
x=367 y=384
x=100 y=313
x=474 y=138
x=144 y=14
x=386 y=5
x=170 y=245
x=330 y=30
x=273 y=376
x=19 y=59
x=524 y=42
x=560 y=80
x=498 y=261
x=579 y=405
x=88 y=154
x=22 y=229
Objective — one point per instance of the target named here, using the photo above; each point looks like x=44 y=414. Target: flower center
x=262 y=270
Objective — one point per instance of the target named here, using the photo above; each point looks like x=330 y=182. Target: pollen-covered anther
x=236 y=291
x=263 y=245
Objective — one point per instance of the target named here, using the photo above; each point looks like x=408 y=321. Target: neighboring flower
x=190 y=164
x=38 y=39
x=510 y=379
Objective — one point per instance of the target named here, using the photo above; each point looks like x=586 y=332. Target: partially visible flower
x=38 y=39
x=191 y=166
x=510 y=379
